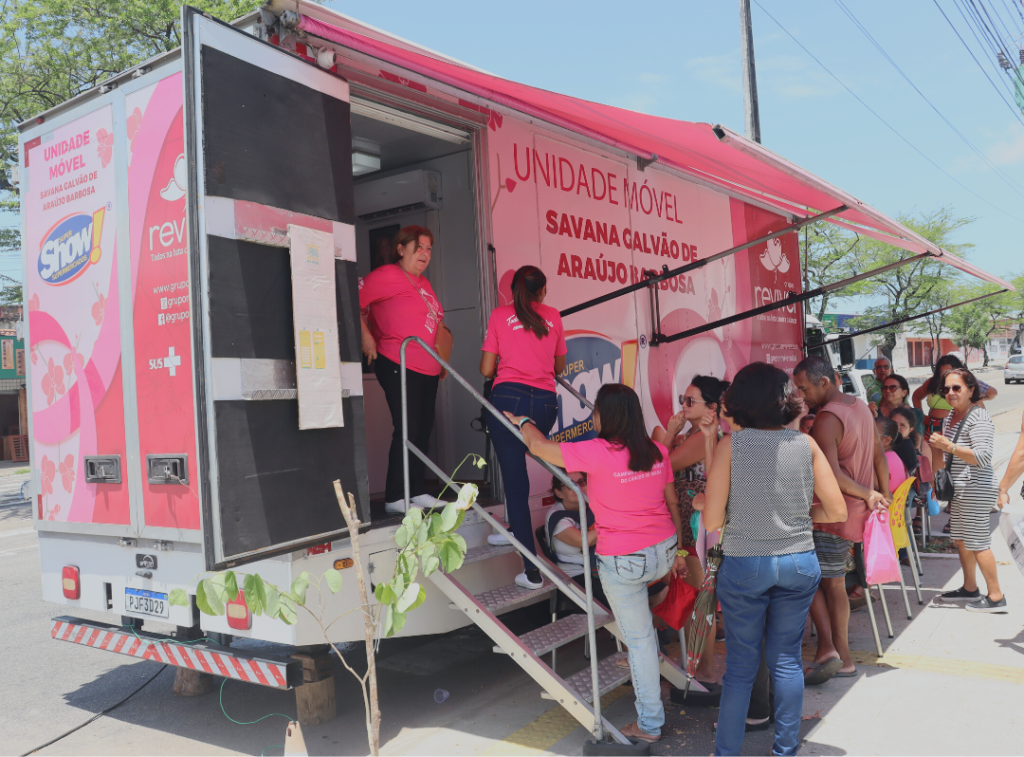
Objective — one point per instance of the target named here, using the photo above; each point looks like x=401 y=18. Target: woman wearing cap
x=524 y=349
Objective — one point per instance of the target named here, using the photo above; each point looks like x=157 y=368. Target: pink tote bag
x=880 y=562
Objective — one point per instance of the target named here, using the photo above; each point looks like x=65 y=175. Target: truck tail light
x=71 y=582
x=238 y=613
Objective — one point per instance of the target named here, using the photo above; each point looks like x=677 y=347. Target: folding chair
x=902 y=538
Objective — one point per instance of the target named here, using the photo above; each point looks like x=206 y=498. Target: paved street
x=944 y=661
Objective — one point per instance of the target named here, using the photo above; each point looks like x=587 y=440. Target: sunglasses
x=954 y=388
x=891 y=388
x=689 y=401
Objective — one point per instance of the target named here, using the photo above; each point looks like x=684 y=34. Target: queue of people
x=786 y=493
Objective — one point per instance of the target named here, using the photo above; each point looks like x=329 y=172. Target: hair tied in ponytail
x=527 y=284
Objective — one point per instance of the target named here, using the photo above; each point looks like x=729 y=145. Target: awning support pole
x=903 y=320
x=668 y=274
x=792 y=299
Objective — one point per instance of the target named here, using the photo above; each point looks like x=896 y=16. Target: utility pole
x=753 y=120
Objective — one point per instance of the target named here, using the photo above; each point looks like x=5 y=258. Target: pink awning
x=712 y=154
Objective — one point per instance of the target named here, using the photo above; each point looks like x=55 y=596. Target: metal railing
x=586 y=602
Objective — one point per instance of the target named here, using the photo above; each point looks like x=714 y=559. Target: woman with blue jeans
x=631 y=491
x=760 y=491
x=524 y=349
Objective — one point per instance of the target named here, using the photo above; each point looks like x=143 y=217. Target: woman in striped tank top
x=975 y=489
x=760 y=488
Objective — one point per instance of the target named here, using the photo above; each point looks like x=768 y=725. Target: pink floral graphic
x=132 y=127
x=47 y=471
x=104 y=146
x=98 y=308
x=33 y=302
x=71 y=362
x=53 y=382
x=54 y=512
x=67 y=472
x=35 y=357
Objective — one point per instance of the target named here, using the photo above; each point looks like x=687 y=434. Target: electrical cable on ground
x=97 y=716
x=886 y=123
x=1001 y=174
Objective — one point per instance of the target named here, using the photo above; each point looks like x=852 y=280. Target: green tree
x=52 y=50
x=967 y=325
x=943 y=295
x=909 y=289
x=829 y=255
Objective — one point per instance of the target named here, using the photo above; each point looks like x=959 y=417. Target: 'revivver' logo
x=70 y=246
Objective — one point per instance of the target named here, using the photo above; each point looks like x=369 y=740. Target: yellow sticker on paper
x=305 y=352
x=319 y=359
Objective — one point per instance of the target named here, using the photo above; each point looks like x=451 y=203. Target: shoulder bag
x=443 y=340
x=943 y=483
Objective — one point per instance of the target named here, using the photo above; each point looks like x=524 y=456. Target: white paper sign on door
x=315 y=316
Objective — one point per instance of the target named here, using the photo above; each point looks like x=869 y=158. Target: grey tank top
x=771 y=486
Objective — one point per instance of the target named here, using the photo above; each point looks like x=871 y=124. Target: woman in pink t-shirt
x=525 y=347
x=631 y=491
x=396 y=301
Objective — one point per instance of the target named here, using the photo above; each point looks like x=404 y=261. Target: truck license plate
x=146 y=602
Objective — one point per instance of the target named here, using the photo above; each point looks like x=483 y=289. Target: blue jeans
x=542 y=406
x=764 y=599
x=625 y=579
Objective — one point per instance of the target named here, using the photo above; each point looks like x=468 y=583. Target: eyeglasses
x=689 y=401
x=954 y=388
x=891 y=388
x=580 y=482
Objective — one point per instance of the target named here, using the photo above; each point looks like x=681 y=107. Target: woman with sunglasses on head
x=692 y=454
x=975 y=489
x=633 y=497
x=524 y=350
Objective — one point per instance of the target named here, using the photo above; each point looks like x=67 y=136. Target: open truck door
x=272 y=266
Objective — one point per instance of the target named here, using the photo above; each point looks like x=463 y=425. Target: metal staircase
x=576 y=693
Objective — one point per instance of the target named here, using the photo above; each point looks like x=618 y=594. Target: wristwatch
x=953 y=451
x=524 y=420
x=681 y=553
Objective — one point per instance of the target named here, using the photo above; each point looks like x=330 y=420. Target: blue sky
x=682 y=60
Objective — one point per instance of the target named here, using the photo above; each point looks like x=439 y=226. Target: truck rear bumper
x=206 y=657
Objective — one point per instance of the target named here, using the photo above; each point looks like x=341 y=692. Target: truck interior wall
x=454 y=273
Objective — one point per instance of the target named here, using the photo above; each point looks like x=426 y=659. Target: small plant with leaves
x=427 y=542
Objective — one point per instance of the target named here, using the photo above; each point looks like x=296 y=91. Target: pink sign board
x=594 y=223
x=161 y=305
x=75 y=337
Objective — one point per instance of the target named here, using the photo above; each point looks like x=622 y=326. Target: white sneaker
x=428 y=502
x=395 y=508
x=525 y=583
x=498 y=540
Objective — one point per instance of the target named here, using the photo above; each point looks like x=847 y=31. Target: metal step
x=561 y=632
x=505 y=597
x=486 y=552
x=609 y=676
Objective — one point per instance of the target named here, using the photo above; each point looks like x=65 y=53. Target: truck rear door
x=269 y=155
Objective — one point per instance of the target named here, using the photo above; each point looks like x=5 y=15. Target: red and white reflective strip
x=225 y=664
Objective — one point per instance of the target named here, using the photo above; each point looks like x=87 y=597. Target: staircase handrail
x=588 y=605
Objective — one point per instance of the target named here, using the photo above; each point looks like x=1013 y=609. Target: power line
x=994 y=42
x=886 y=123
x=1002 y=96
x=1009 y=182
